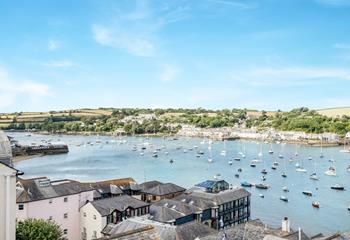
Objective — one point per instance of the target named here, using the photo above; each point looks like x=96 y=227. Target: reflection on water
x=103 y=160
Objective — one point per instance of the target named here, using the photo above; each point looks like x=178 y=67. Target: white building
x=7 y=191
x=97 y=214
x=57 y=201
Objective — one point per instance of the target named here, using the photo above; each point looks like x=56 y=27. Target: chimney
x=285 y=225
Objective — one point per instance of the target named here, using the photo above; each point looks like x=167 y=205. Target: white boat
x=301 y=169
x=285 y=189
x=297 y=165
x=331 y=172
x=262 y=196
x=230 y=162
x=210 y=160
x=314 y=177
x=348 y=168
x=280 y=156
x=141 y=153
x=284 y=198
x=309 y=158
x=223 y=153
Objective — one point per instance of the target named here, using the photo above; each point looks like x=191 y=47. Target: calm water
x=106 y=161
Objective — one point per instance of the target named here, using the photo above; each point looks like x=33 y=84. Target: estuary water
x=107 y=158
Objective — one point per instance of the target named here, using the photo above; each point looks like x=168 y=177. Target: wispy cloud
x=60 y=64
x=136 y=31
x=169 y=73
x=290 y=75
x=342 y=46
x=53 y=45
x=11 y=89
x=335 y=3
x=131 y=42
x=236 y=3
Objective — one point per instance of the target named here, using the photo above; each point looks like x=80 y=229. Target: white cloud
x=52 y=45
x=342 y=46
x=236 y=3
x=335 y=3
x=60 y=64
x=11 y=89
x=132 y=43
x=169 y=73
x=136 y=31
x=289 y=75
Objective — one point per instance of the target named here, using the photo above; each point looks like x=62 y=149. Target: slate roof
x=254 y=230
x=149 y=184
x=209 y=183
x=36 y=189
x=145 y=229
x=120 y=203
x=206 y=200
x=114 y=186
x=132 y=226
x=164 y=189
x=168 y=210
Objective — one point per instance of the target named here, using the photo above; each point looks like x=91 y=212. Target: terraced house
x=96 y=215
x=154 y=191
x=58 y=201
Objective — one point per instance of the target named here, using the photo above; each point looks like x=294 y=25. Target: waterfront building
x=155 y=191
x=57 y=201
x=174 y=212
x=214 y=186
x=96 y=215
x=222 y=209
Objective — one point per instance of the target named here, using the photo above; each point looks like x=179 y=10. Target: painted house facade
x=96 y=215
x=61 y=201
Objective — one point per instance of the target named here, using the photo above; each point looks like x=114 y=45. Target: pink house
x=58 y=201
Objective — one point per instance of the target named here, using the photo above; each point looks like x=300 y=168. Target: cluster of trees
x=38 y=229
x=301 y=119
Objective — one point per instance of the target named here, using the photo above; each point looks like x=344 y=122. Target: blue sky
x=260 y=54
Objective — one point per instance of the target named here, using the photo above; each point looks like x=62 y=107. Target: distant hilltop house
x=140 y=118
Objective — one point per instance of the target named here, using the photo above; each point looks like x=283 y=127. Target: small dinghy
x=284 y=198
x=262 y=196
x=338 y=187
x=239 y=169
x=237 y=159
x=263 y=178
x=171 y=161
x=236 y=175
x=316 y=204
x=264 y=171
x=307 y=193
x=262 y=186
x=285 y=189
x=230 y=162
x=253 y=165
x=273 y=168
x=246 y=184
x=284 y=175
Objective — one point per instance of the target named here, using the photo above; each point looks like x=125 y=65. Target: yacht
x=301 y=169
x=314 y=177
x=331 y=172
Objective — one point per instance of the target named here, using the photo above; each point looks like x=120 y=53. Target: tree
x=38 y=229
